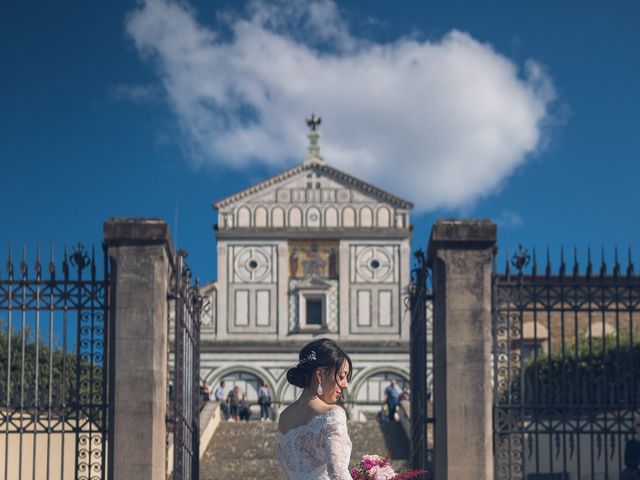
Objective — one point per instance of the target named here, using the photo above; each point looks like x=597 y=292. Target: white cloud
x=509 y=219
x=135 y=93
x=441 y=123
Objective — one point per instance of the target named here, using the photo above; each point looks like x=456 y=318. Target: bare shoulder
x=336 y=408
x=285 y=418
x=296 y=415
x=328 y=408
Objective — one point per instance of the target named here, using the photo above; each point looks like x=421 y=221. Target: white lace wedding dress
x=319 y=450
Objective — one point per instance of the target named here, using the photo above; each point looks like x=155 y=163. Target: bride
x=313 y=443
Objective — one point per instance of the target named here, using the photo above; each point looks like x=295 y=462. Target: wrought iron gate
x=54 y=368
x=186 y=307
x=566 y=369
x=422 y=420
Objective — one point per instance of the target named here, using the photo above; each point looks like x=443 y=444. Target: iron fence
x=421 y=341
x=566 y=368
x=53 y=368
x=186 y=304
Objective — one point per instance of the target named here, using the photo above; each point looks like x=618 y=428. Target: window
x=314 y=311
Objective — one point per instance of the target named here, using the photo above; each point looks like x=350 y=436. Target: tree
x=596 y=373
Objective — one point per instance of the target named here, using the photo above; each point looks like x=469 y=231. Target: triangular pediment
x=312 y=183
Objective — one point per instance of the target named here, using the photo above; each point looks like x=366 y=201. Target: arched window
x=371 y=390
x=261 y=217
x=331 y=217
x=244 y=217
x=348 y=217
x=248 y=383
x=366 y=217
x=383 y=219
x=295 y=217
x=277 y=219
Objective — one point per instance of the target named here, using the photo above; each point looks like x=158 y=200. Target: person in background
x=632 y=456
x=233 y=400
x=391 y=395
x=205 y=392
x=264 y=400
x=404 y=395
x=244 y=408
x=218 y=396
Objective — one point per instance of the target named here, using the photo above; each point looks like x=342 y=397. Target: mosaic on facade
x=313 y=259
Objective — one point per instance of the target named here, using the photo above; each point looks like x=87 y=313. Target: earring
x=319 y=389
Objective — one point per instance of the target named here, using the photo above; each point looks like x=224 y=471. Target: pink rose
x=370 y=461
x=373 y=458
x=369 y=464
x=384 y=473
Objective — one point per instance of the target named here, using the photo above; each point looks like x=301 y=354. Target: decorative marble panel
x=374 y=263
x=374 y=309
x=252 y=264
x=252 y=309
x=208 y=316
x=314 y=218
x=331 y=292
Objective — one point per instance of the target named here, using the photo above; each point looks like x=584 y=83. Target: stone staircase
x=241 y=450
x=386 y=438
x=245 y=450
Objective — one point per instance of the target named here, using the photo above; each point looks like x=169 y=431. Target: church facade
x=311 y=252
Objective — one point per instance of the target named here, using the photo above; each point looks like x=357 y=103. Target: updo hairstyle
x=322 y=353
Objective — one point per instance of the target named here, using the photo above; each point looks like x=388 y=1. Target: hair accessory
x=309 y=358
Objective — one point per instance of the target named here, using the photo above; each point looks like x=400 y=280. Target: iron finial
x=520 y=259
x=547 y=268
x=314 y=122
x=23 y=262
x=79 y=258
x=65 y=263
x=52 y=265
x=507 y=268
x=93 y=262
x=10 y=263
x=38 y=264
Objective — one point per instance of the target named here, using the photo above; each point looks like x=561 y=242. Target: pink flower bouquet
x=375 y=467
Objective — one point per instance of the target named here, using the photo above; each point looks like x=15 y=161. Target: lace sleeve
x=337 y=446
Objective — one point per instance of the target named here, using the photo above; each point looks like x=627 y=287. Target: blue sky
x=100 y=118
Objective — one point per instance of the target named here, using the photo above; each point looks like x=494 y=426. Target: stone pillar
x=224 y=278
x=141 y=253
x=283 y=290
x=460 y=257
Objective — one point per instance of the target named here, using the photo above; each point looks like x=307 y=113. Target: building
x=311 y=252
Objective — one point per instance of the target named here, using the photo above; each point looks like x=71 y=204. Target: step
x=380 y=438
x=247 y=449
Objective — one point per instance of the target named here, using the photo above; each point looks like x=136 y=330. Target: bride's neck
x=307 y=395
